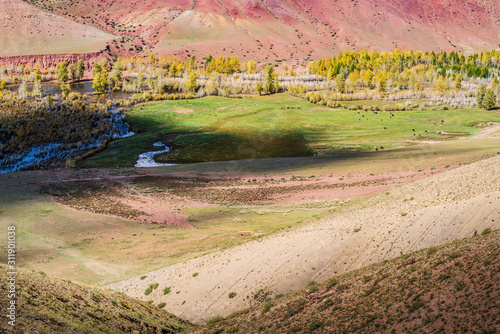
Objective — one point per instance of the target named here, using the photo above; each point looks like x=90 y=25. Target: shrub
x=124 y=304
x=486 y=231
x=214 y=320
x=148 y=290
x=143 y=277
x=431 y=250
x=315 y=325
x=166 y=291
x=357 y=229
x=232 y=294
x=331 y=283
x=162 y=305
x=312 y=286
x=267 y=307
x=454 y=255
x=195 y=274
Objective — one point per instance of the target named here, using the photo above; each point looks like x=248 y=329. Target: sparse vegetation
x=82 y=308
x=391 y=284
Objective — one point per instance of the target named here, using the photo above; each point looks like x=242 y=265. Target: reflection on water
x=83 y=87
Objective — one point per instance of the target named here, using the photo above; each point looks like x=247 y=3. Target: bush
x=331 y=283
x=486 y=231
x=431 y=250
x=166 y=291
x=214 y=320
x=232 y=294
x=162 y=305
x=267 y=307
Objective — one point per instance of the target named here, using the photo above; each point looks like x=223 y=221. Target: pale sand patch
x=182 y=110
x=424 y=213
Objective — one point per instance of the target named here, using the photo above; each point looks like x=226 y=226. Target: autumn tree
x=480 y=93
x=101 y=77
x=192 y=83
x=80 y=68
x=489 y=99
x=259 y=88
x=458 y=82
x=251 y=66
x=62 y=71
x=368 y=78
x=270 y=88
x=340 y=82
x=73 y=71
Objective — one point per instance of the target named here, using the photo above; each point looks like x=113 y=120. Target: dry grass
x=452 y=288
x=51 y=305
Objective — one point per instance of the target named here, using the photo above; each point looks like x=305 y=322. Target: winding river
x=38 y=156
x=147 y=159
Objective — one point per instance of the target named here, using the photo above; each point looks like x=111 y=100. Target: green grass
x=100 y=249
x=218 y=129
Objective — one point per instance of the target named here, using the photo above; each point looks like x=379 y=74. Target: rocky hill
x=285 y=29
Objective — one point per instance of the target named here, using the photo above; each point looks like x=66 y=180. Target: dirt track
x=427 y=212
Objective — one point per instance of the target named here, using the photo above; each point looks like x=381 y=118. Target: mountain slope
x=26 y=30
x=50 y=305
x=451 y=289
x=428 y=212
x=287 y=29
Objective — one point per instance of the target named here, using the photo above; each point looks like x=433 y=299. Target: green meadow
x=220 y=129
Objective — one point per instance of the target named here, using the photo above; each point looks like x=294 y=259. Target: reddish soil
x=289 y=29
x=161 y=198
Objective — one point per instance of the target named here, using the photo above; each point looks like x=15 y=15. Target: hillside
x=454 y=287
x=359 y=232
x=49 y=305
x=287 y=29
x=451 y=289
x=27 y=30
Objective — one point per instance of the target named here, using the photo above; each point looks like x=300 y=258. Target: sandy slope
x=290 y=29
x=27 y=30
x=432 y=211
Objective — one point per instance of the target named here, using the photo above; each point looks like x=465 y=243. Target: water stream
x=147 y=159
x=40 y=155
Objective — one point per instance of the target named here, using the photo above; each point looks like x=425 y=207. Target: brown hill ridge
x=451 y=289
x=49 y=305
x=287 y=29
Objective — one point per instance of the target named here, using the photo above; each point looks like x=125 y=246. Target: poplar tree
x=270 y=88
x=62 y=71
x=80 y=68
